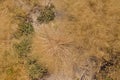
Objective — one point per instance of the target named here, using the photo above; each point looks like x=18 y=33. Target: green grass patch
x=47 y=14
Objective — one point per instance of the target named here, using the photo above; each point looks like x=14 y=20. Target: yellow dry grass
x=82 y=28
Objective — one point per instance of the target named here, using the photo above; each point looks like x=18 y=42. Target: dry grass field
x=59 y=39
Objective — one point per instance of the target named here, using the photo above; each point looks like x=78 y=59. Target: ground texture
x=82 y=41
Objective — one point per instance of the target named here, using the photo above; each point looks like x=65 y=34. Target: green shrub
x=23 y=48
x=47 y=14
x=24 y=29
x=36 y=71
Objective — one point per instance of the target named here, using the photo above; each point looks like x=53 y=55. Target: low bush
x=47 y=14
x=24 y=29
x=23 y=48
x=35 y=70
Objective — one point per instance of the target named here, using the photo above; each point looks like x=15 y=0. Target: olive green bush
x=24 y=29
x=35 y=70
x=47 y=14
x=23 y=48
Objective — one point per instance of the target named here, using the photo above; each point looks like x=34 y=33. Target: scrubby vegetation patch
x=24 y=29
x=47 y=14
x=23 y=48
x=24 y=35
x=35 y=70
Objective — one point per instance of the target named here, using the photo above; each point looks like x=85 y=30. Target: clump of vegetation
x=23 y=48
x=47 y=14
x=109 y=67
x=24 y=29
x=35 y=70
